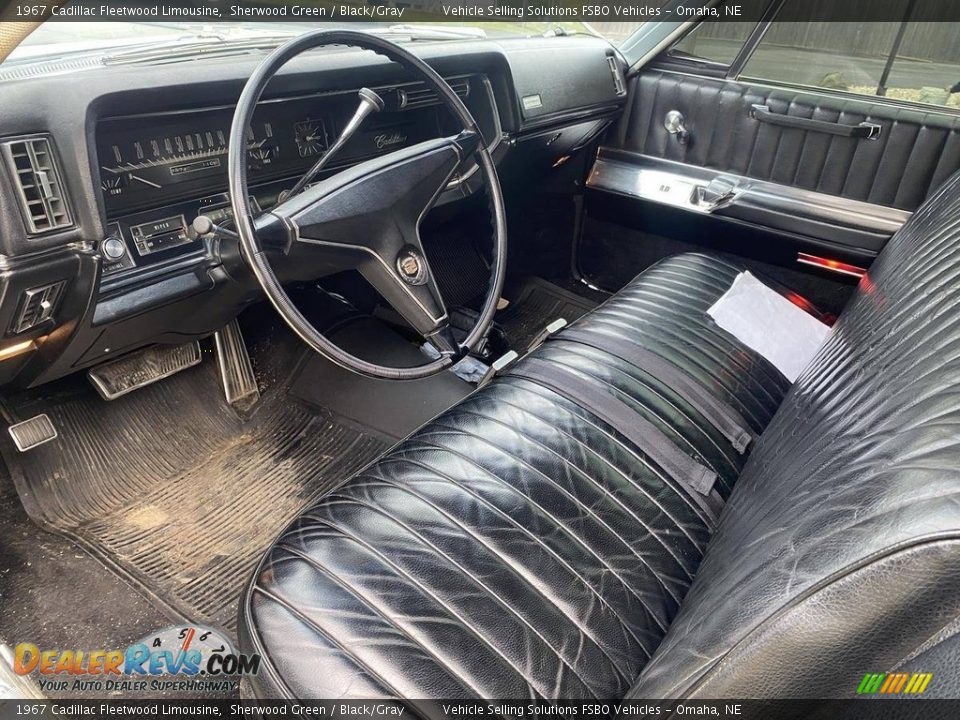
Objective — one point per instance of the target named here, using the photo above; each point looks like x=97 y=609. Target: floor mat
x=537 y=304
x=173 y=489
x=387 y=407
x=38 y=570
x=458 y=266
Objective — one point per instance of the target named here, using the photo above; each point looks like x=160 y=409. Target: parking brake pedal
x=33 y=432
x=236 y=370
x=136 y=370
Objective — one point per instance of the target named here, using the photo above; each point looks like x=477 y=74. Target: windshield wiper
x=560 y=31
x=204 y=45
x=218 y=45
x=432 y=32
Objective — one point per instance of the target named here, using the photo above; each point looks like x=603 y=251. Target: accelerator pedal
x=33 y=432
x=145 y=367
x=236 y=370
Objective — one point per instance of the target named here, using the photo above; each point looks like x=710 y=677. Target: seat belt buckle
x=502 y=363
x=551 y=329
x=505 y=361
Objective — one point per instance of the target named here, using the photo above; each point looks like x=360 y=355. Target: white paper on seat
x=768 y=323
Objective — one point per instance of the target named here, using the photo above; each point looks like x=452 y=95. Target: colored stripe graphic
x=870 y=683
x=894 y=683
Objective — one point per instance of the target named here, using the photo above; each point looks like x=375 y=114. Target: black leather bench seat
x=518 y=545
x=530 y=543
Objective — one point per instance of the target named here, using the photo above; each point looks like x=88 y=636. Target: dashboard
x=103 y=169
x=153 y=160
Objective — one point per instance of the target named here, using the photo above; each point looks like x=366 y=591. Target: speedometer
x=311 y=137
x=152 y=161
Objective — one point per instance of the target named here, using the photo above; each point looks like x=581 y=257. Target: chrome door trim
x=677 y=184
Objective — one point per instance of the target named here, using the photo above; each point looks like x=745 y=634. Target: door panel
x=766 y=191
x=915 y=152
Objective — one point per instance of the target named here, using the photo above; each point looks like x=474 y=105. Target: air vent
x=419 y=95
x=37 y=305
x=619 y=84
x=34 y=167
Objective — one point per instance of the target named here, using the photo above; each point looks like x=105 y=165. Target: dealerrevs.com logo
x=192 y=654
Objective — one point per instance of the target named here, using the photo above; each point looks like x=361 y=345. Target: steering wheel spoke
x=373 y=211
x=406 y=282
x=376 y=202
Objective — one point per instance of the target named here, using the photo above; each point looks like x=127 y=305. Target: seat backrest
x=838 y=553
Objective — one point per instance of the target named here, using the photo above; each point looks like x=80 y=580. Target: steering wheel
x=368 y=216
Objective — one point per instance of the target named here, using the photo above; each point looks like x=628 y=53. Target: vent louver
x=37 y=305
x=619 y=84
x=34 y=168
x=420 y=95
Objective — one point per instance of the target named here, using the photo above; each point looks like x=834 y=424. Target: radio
x=159 y=235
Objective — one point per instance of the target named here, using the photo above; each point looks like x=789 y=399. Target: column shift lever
x=204 y=227
x=370 y=103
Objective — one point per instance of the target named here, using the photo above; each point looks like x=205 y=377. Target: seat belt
x=724 y=418
x=696 y=479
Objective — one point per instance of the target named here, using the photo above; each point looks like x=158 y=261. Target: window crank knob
x=674 y=123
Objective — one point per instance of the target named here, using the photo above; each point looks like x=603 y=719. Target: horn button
x=411 y=266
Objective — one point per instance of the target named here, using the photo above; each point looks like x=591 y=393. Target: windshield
x=61 y=38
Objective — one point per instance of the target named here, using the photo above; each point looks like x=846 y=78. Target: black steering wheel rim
x=255 y=254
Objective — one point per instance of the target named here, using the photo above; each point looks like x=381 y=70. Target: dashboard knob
x=113 y=248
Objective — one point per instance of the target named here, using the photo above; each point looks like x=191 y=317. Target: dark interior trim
x=693 y=188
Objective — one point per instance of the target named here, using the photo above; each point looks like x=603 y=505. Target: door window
x=911 y=60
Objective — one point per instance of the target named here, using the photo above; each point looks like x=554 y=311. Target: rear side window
x=714 y=42
x=719 y=42
x=912 y=60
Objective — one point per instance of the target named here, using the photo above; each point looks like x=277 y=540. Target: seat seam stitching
x=284 y=603
x=697 y=511
x=500 y=480
x=577 y=502
x=386 y=561
x=328 y=572
x=456 y=566
x=493 y=508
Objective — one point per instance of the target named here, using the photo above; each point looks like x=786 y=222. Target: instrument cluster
x=153 y=160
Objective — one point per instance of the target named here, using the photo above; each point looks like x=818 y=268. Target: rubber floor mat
x=173 y=489
x=537 y=304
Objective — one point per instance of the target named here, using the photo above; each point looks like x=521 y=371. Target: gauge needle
x=145 y=182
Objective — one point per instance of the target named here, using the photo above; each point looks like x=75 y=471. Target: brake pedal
x=236 y=370
x=145 y=367
x=33 y=432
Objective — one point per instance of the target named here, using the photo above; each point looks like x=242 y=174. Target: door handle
x=864 y=130
x=719 y=192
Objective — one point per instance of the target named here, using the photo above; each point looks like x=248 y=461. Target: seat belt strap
x=694 y=478
x=724 y=418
